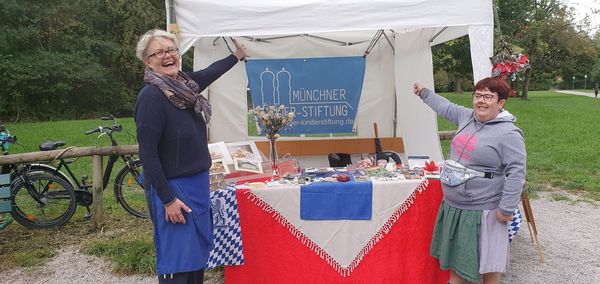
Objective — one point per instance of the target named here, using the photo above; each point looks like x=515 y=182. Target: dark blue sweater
x=173 y=142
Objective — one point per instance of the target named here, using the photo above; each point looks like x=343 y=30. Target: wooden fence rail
x=97 y=153
x=72 y=152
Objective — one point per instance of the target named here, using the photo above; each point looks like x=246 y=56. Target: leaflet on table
x=244 y=150
x=417 y=161
x=248 y=165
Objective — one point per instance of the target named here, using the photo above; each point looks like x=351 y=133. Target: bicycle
x=39 y=200
x=128 y=187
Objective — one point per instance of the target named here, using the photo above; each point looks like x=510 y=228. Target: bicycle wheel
x=42 y=201
x=50 y=170
x=129 y=190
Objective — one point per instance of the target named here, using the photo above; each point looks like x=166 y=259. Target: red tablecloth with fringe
x=273 y=255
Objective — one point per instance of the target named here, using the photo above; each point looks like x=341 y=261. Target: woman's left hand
x=240 y=51
x=501 y=217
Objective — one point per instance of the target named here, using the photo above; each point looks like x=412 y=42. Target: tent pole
x=171 y=20
x=327 y=39
x=437 y=34
x=390 y=42
x=267 y=39
x=395 y=120
x=373 y=42
x=280 y=37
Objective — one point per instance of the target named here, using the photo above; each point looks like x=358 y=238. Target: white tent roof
x=199 y=18
x=412 y=27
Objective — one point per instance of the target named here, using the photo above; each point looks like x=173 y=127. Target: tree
x=546 y=32
x=65 y=59
x=454 y=58
x=595 y=72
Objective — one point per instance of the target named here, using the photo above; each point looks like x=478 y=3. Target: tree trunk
x=458 y=85
x=526 y=83
x=17 y=114
x=514 y=85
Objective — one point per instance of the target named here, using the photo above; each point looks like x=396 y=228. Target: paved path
x=568 y=232
x=579 y=93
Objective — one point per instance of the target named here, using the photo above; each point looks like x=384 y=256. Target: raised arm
x=207 y=76
x=441 y=105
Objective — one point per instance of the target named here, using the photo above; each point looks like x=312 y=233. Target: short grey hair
x=142 y=45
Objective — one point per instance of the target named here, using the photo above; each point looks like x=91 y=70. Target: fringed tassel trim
x=298 y=234
x=385 y=229
x=344 y=271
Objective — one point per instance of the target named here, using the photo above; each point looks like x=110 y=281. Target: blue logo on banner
x=322 y=92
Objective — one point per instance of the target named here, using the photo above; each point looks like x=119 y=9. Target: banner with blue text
x=322 y=92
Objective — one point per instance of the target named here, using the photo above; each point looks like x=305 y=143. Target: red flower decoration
x=509 y=66
x=430 y=166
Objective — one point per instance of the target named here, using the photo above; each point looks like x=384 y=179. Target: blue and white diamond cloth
x=226 y=223
x=515 y=224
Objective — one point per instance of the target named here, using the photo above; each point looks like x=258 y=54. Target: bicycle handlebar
x=97 y=129
x=106 y=129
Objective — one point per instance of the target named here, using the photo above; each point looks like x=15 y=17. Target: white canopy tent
x=305 y=28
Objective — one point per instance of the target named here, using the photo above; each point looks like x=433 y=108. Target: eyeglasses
x=486 y=97
x=161 y=53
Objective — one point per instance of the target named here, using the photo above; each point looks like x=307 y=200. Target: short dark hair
x=495 y=85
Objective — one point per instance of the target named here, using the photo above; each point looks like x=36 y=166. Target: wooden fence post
x=97 y=189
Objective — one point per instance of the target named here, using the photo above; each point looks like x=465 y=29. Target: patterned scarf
x=183 y=92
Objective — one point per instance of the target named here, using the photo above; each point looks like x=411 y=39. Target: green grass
x=33 y=258
x=563 y=146
x=132 y=255
x=30 y=135
x=25 y=248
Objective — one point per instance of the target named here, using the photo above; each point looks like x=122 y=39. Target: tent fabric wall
x=417 y=123
x=229 y=121
x=482 y=48
x=412 y=25
x=228 y=93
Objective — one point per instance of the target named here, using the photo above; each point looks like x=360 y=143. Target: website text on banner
x=322 y=92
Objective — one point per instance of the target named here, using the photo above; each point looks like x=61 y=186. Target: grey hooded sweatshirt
x=496 y=146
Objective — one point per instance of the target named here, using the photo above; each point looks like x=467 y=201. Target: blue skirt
x=183 y=247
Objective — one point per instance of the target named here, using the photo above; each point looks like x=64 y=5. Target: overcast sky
x=586 y=7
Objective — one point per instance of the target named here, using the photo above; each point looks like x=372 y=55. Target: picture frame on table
x=219 y=151
x=219 y=166
x=415 y=162
x=243 y=150
x=248 y=165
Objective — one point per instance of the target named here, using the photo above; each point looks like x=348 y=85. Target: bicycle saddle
x=51 y=145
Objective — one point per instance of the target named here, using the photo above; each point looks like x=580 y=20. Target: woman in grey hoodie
x=471 y=236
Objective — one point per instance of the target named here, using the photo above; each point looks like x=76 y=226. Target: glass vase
x=273 y=153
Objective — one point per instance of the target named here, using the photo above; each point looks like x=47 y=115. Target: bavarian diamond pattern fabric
x=228 y=235
x=515 y=224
